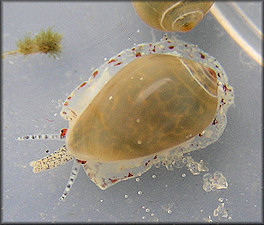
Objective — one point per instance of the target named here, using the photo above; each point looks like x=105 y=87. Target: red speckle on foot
x=64 y=112
x=133 y=49
x=171 y=47
x=202 y=56
x=69 y=98
x=65 y=104
x=117 y=64
x=95 y=73
x=83 y=84
x=138 y=54
x=63 y=132
x=215 y=122
x=155 y=157
x=225 y=88
x=112 y=60
x=147 y=162
x=130 y=175
x=113 y=180
x=81 y=161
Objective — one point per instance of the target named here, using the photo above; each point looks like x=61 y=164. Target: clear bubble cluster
x=214 y=182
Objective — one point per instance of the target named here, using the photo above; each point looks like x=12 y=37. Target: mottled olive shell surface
x=106 y=173
x=154 y=103
x=172 y=16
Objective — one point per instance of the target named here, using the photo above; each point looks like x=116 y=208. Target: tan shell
x=154 y=103
x=174 y=16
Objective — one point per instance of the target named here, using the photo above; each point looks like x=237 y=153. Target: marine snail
x=172 y=16
x=147 y=105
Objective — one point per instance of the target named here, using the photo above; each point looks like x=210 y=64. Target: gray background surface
x=34 y=87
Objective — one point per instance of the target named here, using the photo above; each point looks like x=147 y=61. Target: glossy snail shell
x=172 y=16
x=154 y=103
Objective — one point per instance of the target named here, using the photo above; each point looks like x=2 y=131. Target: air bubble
x=137 y=179
x=183 y=175
x=126 y=196
x=141 y=78
x=147 y=210
x=110 y=98
x=139 y=142
x=153 y=176
x=140 y=192
x=138 y=120
x=137 y=31
x=169 y=211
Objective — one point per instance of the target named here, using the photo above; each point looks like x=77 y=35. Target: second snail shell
x=172 y=16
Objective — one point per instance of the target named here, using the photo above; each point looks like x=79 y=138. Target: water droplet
x=169 y=211
x=101 y=200
x=137 y=179
x=143 y=207
x=137 y=31
x=141 y=78
x=111 y=97
x=55 y=114
x=183 y=175
x=132 y=78
x=153 y=176
x=126 y=196
x=139 y=142
x=105 y=59
x=143 y=217
x=152 y=214
x=140 y=192
x=11 y=62
x=138 y=120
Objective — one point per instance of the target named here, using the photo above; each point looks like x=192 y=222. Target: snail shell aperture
x=172 y=16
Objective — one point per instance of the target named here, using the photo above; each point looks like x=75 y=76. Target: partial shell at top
x=172 y=16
